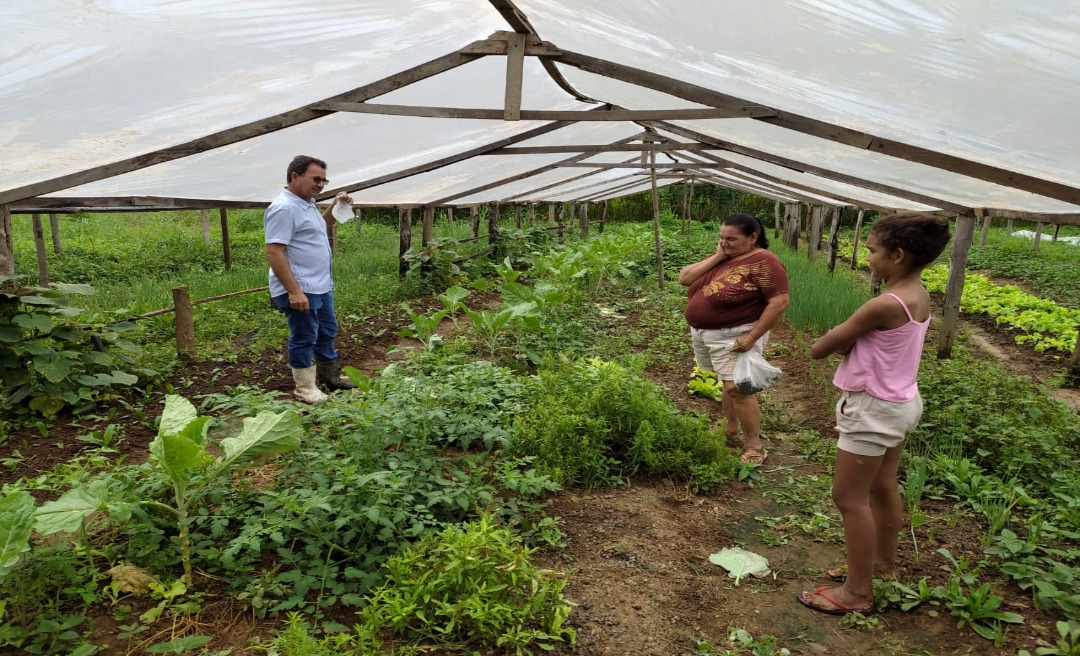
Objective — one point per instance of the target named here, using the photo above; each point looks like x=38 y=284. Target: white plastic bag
x=753 y=372
x=342 y=211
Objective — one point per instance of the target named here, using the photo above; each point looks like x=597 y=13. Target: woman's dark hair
x=748 y=225
x=299 y=166
x=922 y=236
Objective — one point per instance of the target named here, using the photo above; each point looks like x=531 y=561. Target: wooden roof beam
x=555 y=184
x=822 y=129
x=547 y=115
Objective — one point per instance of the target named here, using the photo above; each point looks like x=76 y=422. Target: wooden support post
x=515 y=65
x=980 y=212
x=404 y=239
x=690 y=209
x=54 y=228
x=1008 y=227
x=1057 y=226
x=572 y=216
x=776 y=220
x=1038 y=237
x=560 y=213
x=185 y=323
x=356 y=221
x=855 y=240
x=450 y=214
x=1073 y=366
x=584 y=220
x=7 y=250
x=532 y=215
x=204 y=221
x=426 y=232
x=954 y=286
x=834 y=236
x=39 y=247
x=791 y=226
x=603 y=217
x=817 y=221
x=474 y=221
x=225 y=248
x=551 y=214
x=493 y=231
x=428 y=228
x=685 y=222
x=517 y=216
x=656 y=221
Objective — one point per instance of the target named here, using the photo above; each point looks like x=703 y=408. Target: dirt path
x=639 y=571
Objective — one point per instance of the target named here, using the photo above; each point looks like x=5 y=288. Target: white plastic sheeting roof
x=994 y=82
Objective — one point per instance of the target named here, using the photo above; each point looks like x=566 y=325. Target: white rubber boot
x=306 y=389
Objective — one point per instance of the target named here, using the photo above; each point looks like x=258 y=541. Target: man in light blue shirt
x=298 y=248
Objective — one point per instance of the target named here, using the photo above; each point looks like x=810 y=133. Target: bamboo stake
x=225 y=248
x=185 y=323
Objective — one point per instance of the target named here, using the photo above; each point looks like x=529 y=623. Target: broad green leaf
x=454 y=296
x=41 y=300
x=46 y=405
x=178 y=456
x=127 y=346
x=10 y=334
x=178 y=413
x=16 y=522
x=67 y=513
x=73 y=288
x=38 y=349
x=196 y=430
x=35 y=321
x=123 y=378
x=264 y=435
x=52 y=368
x=97 y=358
x=179 y=645
x=67 y=334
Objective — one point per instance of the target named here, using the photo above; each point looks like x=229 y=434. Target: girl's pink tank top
x=885 y=363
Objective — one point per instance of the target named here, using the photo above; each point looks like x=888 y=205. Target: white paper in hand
x=342 y=212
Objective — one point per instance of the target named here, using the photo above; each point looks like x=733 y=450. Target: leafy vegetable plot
x=1044 y=323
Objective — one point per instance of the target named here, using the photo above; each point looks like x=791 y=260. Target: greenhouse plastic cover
x=84 y=83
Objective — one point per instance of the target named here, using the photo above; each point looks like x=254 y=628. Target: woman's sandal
x=754 y=456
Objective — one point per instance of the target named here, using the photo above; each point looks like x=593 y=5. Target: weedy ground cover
x=1052 y=271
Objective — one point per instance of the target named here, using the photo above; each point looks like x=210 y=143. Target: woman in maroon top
x=736 y=296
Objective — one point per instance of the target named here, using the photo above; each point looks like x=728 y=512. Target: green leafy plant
x=49 y=360
x=466 y=588
x=1068 y=643
x=978 y=607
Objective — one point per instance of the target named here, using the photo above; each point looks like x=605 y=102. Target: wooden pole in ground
x=356 y=221
x=1073 y=366
x=54 y=228
x=560 y=212
x=551 y=214
x=474 y=220
x=225 y=248
x=426 y=231
x=204 y=221
x=603 y=217
x=532 y=215
x=571 y=215
x=517 y=216
x=1008 y=227
x=39 y=248
x=817 y=220
x=690 y=210
x=656 y=221
x=493 y=231
x=834 y=236
x=685 y=223
x=404 y=239
x=584 y=220
x=791 y=227
x=450 y=214
x=954 y=286
x=985 y=225
x=1057 y=226
x=776 y=220
x=855 y=240
x=1038 y=237
x=7 y=251
x=185 y=323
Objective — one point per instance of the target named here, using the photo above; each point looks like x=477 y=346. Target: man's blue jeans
x=312 y=332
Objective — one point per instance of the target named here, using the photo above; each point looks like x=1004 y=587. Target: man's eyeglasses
x=316 y=179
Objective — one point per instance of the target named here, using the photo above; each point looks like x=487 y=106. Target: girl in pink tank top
x=882 y=345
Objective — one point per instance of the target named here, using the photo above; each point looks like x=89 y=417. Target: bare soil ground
x=637 y=555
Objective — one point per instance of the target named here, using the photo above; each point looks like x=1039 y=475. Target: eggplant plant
x=180 y=452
